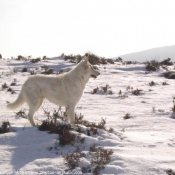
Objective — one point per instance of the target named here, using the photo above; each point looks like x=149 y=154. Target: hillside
x=158 y=54
x=143 y=135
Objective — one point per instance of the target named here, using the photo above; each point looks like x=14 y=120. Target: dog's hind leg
x=34 y=99
x=71 y=114
x=33 y=108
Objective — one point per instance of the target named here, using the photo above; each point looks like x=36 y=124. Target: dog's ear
x=85 y=62
x=86 y=59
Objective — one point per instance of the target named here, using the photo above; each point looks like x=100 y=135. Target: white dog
x=62 y=90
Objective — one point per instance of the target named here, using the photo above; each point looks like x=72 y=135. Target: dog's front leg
x=71 y=114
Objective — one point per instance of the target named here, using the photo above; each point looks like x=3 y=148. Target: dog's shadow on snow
x=29 y=145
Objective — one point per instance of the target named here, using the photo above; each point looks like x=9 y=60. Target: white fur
x=62 y=90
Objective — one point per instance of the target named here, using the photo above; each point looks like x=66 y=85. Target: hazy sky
x=105 y=27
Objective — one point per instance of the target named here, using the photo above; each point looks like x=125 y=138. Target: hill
x=158 y=54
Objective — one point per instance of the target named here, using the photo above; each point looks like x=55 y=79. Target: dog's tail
x=19 y=101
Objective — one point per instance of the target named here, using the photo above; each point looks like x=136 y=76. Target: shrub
x=93 y=59
x=11 y=90
x=152 y=83
x=95 y=90
x=5 y=127
x=79 y=58
x=73 y=58
x=152 y=65
x=127 y=116
x=123 y=96
x=44 y=58
x=21 y=113
x=103 y=89
x=73 y=159
x=101 y=157
x=98 y=156
x=103 y=61
x=119 y=59
x=164 y=83
x=13 y=84
x=20 y=57
x=24 y=69
x=169 y=74
x=173 y=108
x=48 y=72
x=32 y=72
x=100 y=125
x=170 y=172
x=167 y=62
x=14 y=70
x=4 y=86
x=63 y=129
x=111 y=61
x=36 y=60
x=45 y=67
x=136 y=92
x=106 y=89
x=65 y=136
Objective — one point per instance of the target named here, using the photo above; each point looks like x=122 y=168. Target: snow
x=143 y=144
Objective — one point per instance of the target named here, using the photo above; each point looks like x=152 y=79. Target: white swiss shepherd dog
x=63 y=90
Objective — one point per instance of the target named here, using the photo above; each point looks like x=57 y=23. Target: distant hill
x=158 y=54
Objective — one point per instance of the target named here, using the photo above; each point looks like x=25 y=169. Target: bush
x=4 y=86
x=36 y=60
x=20 y=57
x=169 y=74
x=152 y=65
x=98 y=156
x=73 y=159
x=48 y=72
x=44 y=58
x=73 y=58
x=173 y=108
x=24 y=69
x=13 y=84
x=11 y=90
x=119 y=59
x=110 y=61
x=21 y=114
x=93 y=59
x=53 y=125
x=167 y=62
x=101 y=157
x=5 y=127
x=100 y=125
x=152 y=83
x=95 y=90
x=79 y=58
x=104 y=89
x=103 y=61
x=170 y=172
x=127 y=116
x=136 y=92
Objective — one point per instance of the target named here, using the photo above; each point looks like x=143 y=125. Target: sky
x=108 y=28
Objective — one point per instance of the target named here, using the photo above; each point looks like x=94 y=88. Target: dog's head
x=88 y=68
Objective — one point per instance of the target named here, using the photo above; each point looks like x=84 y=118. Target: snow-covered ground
x=142 y=145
